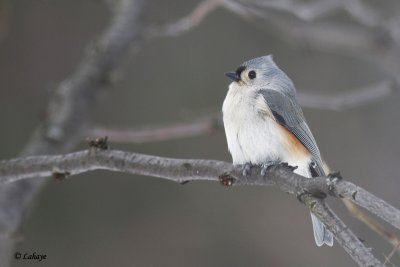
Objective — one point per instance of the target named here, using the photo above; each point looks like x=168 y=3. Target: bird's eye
x=252 y=74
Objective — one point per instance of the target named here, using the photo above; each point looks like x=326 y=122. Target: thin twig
x=213 y=122
x=186 y=23
x=206 y=125
x=163 y=132
x=395 y=248
x=348 y=99
x=372 y=224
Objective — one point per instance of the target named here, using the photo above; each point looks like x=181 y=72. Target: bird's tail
x=321 y=234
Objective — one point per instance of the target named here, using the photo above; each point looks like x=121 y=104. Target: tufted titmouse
x=264 y=124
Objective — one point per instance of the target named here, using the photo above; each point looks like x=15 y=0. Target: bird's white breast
x=253 y=135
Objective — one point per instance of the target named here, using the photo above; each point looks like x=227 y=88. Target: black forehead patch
x=240 y=70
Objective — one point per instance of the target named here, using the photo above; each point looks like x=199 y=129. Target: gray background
x=103 y=218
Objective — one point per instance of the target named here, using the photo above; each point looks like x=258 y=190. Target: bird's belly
x=256 y=139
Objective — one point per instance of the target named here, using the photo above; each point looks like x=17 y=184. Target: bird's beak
x=233 y=76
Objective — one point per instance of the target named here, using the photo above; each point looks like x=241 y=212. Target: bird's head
x=261 y=73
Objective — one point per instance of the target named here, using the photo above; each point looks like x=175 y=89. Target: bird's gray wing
x=288 y=113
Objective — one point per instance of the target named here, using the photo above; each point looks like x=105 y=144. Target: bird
x=264 y=125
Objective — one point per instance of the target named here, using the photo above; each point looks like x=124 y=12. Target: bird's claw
x=265 y=166
x=246 y=169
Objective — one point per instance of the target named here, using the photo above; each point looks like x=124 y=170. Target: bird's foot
x=336 y=175
x=246 y=169
x=265 y=166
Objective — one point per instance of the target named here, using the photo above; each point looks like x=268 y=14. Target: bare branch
x=184 y=170
x=373 y=39
x=369 y=221
x=189 y=170
x=313 y=10
x=368 y=201
x=186 y=23
x=372 y=224
x=387 y=259
x=309 y=11
x=67 y=115
x=347 y=99
x=208 y=124
x=351 y=244
x=162 y=132
x=361 y=40
x=213 y=122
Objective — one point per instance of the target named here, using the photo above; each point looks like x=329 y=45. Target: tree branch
x=163 y=132
x=362 y=40
x=184 y=170
x=372 y=224
x=368 y=201
x=205 y=125
x=67 y=115
x=348 y=99
x=351 y=244
x=186 y=23
x=372 y=38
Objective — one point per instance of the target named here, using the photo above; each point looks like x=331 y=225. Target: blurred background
x=103 y=218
